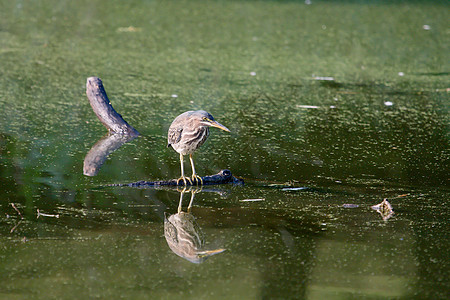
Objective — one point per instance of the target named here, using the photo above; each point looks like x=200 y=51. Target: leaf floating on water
x=384 y=209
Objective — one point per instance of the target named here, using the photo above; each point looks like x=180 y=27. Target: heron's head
x=206 y=119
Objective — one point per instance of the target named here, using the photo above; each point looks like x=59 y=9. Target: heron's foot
x=185 y=179
x=182 y=189
x=198 y=179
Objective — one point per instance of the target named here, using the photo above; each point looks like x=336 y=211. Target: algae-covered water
x=333 y=106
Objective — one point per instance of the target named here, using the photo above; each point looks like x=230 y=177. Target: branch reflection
x=183 y=235
x=99 y=152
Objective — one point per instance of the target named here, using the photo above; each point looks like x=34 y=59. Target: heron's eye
x=205 y=119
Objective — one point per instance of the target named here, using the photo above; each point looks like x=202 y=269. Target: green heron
x=187 y=133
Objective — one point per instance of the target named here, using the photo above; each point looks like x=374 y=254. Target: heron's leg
x=194 y=175
x=184 y=178
x=180 y=205
x=193 y=192
x=191 y=202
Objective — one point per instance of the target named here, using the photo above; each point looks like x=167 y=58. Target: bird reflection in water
x=183 y=235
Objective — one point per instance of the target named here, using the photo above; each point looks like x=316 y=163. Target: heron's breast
x=191 y=140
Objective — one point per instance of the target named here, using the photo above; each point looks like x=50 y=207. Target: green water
x=333 y=107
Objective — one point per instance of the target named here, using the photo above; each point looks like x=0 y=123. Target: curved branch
x=103 y=109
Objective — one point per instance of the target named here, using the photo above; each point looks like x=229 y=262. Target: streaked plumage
x=187 y=133
x=185 y=238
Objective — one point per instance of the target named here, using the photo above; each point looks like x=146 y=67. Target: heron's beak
x=210 y=252
x=218 y=125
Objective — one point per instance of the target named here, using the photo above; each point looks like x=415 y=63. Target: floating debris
x=45 y=215
x=388 y=103
x=426 y=27
x=350 y=205
x=307 y=106
x=325 y=78
x=129 y=29
x=401 y=74
x=252 y=200
x=384 y=209
x=403 y=195
x=14 y=228
x=16 y=209
x=294 y=189
x=253 y=73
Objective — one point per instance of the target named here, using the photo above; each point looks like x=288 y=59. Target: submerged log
x=103 y=109
x=223 y=177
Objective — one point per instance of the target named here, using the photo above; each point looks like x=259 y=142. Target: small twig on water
x=45 y=215
x=399 y=196
x=252 y=200
x=14 y=228
x=15 y=208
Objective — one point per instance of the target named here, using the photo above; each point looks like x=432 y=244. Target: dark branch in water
x=103 y=109
x=223 y=177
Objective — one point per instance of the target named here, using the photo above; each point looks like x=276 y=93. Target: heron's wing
x=174 y=136
x=170 y=232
